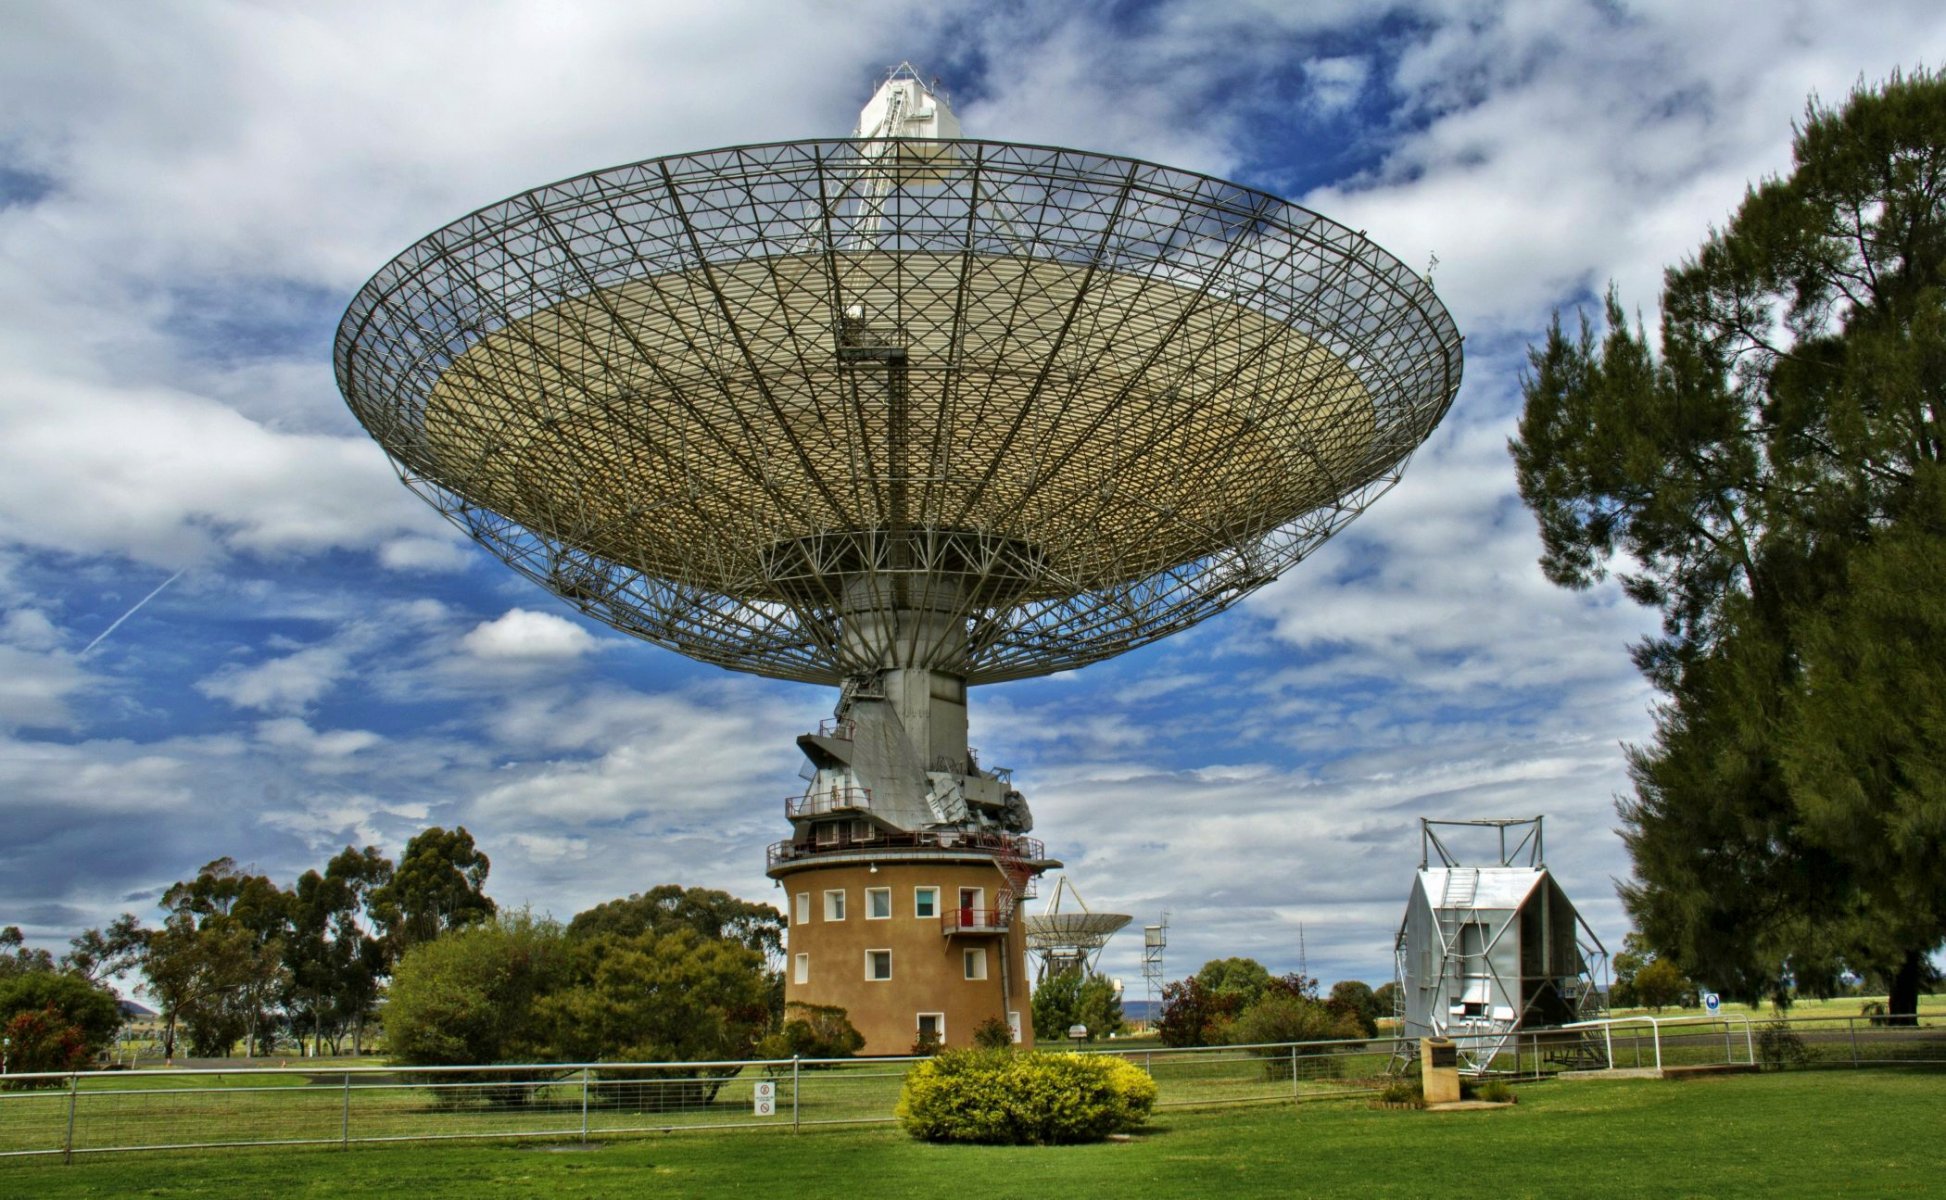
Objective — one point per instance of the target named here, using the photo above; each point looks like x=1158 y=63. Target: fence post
x=1608 y=1036
x=74 y=1089
x=584 y=1105
x=794 y=1078
x=1851 y=1023
x=344 y=1128
x=1293 y=1070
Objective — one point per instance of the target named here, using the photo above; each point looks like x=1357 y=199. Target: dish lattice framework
x=730 y=402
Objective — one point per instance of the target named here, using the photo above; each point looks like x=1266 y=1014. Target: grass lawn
x=1808 y=1133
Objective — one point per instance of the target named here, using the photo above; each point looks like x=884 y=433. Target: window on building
x=863 y=831
x=878 y=965
x=829 y=832
x=933 y=1026
x=834 y=905
x=803 y=913
x=801 y=969
x=878 y=904
x=975 y=962
x=925 y=902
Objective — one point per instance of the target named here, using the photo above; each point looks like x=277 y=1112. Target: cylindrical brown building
x=915 y=943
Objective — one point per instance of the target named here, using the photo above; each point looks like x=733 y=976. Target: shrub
x=1493 y=1091
x=1283 y=1017
x=1039 y=1097
x=993 y=1034
x=42 y=1040
x=926 y=1044
x=93 y=1012
x=1402 y=1092
x=813 y=1031
x=1780 y=1046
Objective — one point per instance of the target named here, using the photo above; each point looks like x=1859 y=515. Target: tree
x=469 y=996
x=1077 y=997
x=1385 y=998
x=436 y=887
x=1243 y=978
x=17 y=957
x=1282 y=1016
x=216 y=965
x=1350 y=998
x=1770 y=479
x=335 y=961
x=706 y=912
x=1627 y=963
x=59 y=1003
x=1194 y=1015
x=99 y=954
x=1661 y=985
x=654 y=997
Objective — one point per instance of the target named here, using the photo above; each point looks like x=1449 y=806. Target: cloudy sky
x=191 y=192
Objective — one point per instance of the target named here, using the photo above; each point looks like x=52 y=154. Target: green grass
x=1818 y=1133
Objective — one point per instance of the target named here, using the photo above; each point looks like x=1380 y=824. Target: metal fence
x=94 y=1112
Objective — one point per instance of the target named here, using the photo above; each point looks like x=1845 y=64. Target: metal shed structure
x=1485 y=951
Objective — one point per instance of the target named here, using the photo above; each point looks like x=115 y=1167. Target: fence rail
x=93 y=1112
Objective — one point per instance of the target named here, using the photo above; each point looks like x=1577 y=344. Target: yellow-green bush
x=1000 y=1097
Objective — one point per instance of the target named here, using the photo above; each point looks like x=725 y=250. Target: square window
x=878 y=904
x=878 y=965
x=975 y=962
x=829 y=831
x=925 y=902
x=932 y=1025
x=801 y=972
x=834 y=905
x=863 y=831
x=803 y=914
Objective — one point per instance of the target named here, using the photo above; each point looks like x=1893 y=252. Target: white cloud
x=523 y=635
x=29 y=629
x=285 y=684
x=418 y=553
x=291 y=733
x=35 y=688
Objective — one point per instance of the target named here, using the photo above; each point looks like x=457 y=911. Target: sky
x=191 y=193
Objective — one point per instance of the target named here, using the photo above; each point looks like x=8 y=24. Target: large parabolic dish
x=1045 y=405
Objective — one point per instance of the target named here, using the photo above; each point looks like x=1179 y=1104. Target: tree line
x=1237 y=1001
x=672 y=973
x=236 y=957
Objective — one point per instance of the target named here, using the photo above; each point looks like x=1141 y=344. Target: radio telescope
x=901 y=413
x=1070 y=940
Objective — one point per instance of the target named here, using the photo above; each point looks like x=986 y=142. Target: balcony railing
x=976 y=920
x=1004 y=846
x=832 y=727
x=828 y=800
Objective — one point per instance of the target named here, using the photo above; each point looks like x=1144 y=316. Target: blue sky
x=189 y=197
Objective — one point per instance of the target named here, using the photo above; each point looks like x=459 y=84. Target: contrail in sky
x=117 y=622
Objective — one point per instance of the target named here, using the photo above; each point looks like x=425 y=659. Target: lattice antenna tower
x=1155 y=940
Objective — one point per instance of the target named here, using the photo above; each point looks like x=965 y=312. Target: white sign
x=1712 y=1002
x=765 y=1104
